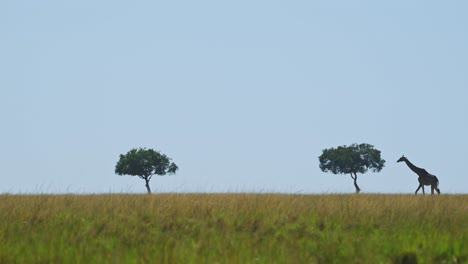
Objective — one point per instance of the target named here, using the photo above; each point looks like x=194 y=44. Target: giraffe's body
x=424 y=177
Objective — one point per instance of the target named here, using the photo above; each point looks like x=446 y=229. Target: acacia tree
x=145 y=163
x=351 y=160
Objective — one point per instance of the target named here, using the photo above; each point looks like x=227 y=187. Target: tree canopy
x=145 y=163
x=351 y=160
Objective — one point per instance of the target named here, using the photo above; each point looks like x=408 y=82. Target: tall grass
x=234 y=228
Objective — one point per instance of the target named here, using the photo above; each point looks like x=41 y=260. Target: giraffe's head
x=403 y=158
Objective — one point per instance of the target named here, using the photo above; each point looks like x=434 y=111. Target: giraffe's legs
x=422 y=185
x=416 y=192
x=436 y=185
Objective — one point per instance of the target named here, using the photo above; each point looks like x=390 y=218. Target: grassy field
x=233 y=228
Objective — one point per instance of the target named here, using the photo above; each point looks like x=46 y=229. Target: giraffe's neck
x=412 y=167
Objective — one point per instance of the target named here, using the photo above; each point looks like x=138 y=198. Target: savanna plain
x=233 y=228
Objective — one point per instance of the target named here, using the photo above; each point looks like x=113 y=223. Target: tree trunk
x=355 y=182
x=147 y=179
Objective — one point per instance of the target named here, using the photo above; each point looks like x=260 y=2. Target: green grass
x=233 y=228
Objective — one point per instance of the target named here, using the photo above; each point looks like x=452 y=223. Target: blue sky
x=242 y=95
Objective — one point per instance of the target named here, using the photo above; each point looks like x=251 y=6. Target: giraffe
x=425 y=178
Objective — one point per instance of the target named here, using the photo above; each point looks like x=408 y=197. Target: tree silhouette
x=145 y=163
x=351 y=160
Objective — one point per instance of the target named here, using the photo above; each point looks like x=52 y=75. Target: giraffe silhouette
x=425 y=178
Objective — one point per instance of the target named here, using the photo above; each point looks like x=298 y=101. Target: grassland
x=233 y=228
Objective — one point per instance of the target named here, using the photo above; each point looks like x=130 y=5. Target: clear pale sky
x=242 y=95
